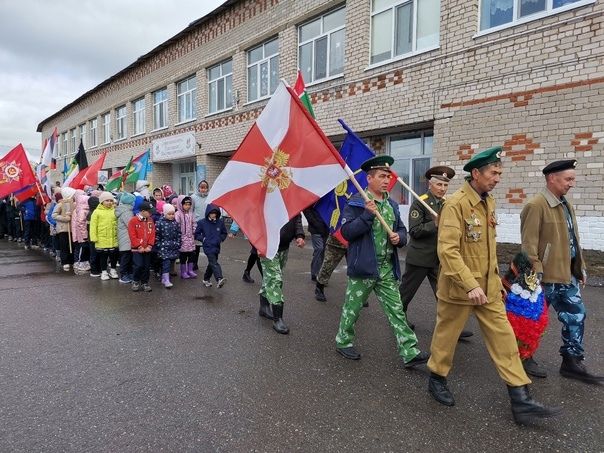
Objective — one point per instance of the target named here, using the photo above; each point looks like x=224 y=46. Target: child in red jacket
x=141 y=230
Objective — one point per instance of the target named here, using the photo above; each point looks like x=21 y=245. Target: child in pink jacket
x=79 y=233
x=186 y=219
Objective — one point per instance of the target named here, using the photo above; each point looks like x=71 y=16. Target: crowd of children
x=91 y=231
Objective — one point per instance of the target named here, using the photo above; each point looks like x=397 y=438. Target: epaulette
x=424 y=197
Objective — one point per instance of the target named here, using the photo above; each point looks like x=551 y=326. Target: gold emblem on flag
x=274 y=175
x=9 y=172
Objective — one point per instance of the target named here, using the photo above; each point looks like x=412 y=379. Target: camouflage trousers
x=566 y=300
x=386 y=290
x=272 y=277
x=334 y=252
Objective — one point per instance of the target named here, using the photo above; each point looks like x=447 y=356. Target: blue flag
x=354 y=152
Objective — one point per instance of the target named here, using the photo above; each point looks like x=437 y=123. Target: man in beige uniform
x=469 y=282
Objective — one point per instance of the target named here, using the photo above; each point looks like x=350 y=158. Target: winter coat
x=290 y=231
x=200 y=205
x=62 y=215
x=167 y=238
x=142 y=232
x=357 y=229
x=211 y=232
x=186 y=220
x=78 y=219
x=123 y=213
x=28 y=208
x=103 y=227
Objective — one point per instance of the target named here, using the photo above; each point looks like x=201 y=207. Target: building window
x=220 y=86
x=403 y=27
x=185 y=98
x=321 y=46
x=82 y=132
x=106 y=128
x=498 y=13
x=64 y=151
x=262 y=70
x=138 y=109
x=412 y=154
x=72 y=143
x=92 y=138
x=120 y=122
x=160 y=109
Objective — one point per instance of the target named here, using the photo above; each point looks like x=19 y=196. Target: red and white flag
x=284 y=164
x=15 y=171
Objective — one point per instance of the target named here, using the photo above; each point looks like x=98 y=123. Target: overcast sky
x=51 y=52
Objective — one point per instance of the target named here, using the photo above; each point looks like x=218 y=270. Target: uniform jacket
x=78 y=219
x=103 y=227
x=546 y=241
x=316 y=225
x=62 y=215
x=186 y=220
x=357 y=224
x=141 y=232
x=423 y=232
x=466 y=247
x=290 y=231
x=167 y=238
x=123 y=213
x=211 y=232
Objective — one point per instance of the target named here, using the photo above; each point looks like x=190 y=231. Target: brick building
x=427 y=81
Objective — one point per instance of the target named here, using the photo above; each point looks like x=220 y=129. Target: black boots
x=247 y=278
x=437 y=386
x=532 y=368
x=265 y=308
x=525 y=409
x=573 y=368
x=319 y=294
x=278 y=325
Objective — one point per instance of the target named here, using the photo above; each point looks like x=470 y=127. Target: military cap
x=382 y=162
x=488 y=156
x=441 y=172
x=560 y=165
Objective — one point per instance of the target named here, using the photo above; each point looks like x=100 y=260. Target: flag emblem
x=11 y=171
x=274 y=174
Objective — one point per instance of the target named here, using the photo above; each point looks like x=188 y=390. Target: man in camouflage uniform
x=550 y=238
x=335 y=250
x=373 y=263
x=271 y=291
x=422 y=259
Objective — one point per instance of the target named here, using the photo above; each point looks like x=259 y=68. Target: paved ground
x=87 y=365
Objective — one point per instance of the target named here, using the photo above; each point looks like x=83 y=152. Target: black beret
x=560 y=165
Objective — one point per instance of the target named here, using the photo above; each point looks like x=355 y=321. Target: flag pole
x=366 y=198
x=417 y=197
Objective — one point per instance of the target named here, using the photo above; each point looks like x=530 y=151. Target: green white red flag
x=300 y=90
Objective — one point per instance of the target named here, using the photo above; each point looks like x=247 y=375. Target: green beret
x=488 y=156
x=382 y=162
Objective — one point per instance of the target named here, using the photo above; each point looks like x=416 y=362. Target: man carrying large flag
x=284 y=164
x=15 y=171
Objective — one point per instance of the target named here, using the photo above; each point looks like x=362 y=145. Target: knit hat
x=167 y=190
x=168 y=208
x=96 y=193
x=68 y=193
x=105 y=196
x=127 y=198
x=145 y=206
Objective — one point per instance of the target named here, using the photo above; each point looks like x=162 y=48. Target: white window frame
x=160 y=110
x=82 y=133
x=188 y=97
x=138 y=116
x=72 y=141
x=223 y=76
x=327 y=34
x=549 y=11
x=63 y=150
x=266 y=59
x=121 y=124
x=92 y=132
x=414 y=50
x=106 y=128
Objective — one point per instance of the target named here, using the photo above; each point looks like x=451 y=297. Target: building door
x=186 y=178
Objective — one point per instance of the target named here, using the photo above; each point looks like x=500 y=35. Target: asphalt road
x=90 y=366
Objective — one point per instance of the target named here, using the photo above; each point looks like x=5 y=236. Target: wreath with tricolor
x=525 y=304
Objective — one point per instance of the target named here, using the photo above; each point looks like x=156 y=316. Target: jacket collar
x=472 y=194
x=551 y=199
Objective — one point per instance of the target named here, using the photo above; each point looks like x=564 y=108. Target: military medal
x=493 y=219
x=471 y=222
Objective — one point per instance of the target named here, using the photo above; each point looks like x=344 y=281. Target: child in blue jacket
x=211 y=231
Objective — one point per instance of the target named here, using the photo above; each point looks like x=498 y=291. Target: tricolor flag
x=15 y=171
x=284 y=164
x=78 y=163
x=47 y=162
x=300 y=90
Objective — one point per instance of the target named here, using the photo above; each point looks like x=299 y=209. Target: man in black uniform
x=422 y=260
